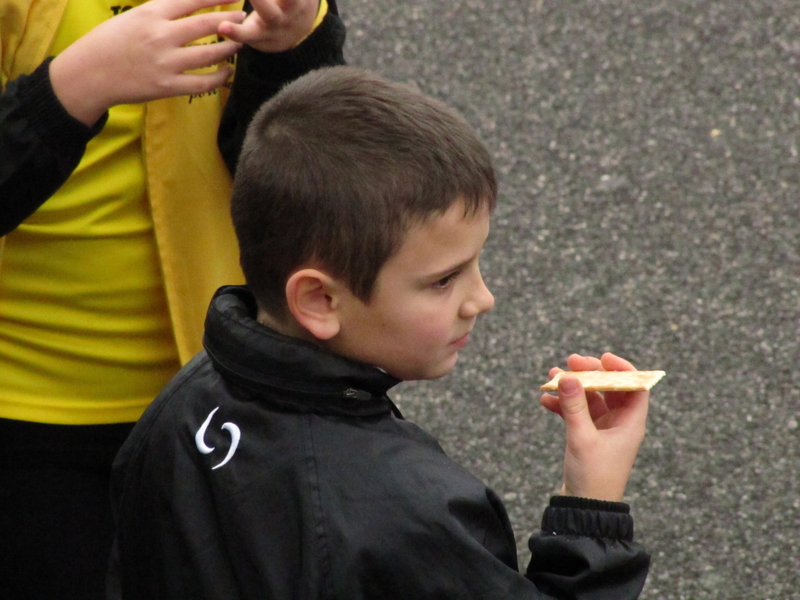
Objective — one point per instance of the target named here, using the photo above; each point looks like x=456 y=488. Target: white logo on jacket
x=199 y=438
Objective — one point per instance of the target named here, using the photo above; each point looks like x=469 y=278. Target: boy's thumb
x=572 y=400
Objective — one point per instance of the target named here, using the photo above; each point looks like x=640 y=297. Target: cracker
x=609 y=381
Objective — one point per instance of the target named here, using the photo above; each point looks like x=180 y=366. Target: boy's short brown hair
x=336 y=167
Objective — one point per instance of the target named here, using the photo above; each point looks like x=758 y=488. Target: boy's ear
x=311 y=297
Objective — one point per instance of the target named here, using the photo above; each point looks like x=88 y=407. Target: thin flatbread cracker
x=609 y=381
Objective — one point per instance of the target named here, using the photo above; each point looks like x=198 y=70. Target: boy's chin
x=428 y=372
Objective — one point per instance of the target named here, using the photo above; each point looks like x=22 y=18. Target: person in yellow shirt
x=118 y=130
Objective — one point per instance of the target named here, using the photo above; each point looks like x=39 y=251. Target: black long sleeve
x=260 y=75
x=41 y=144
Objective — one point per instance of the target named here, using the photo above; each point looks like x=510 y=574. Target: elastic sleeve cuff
x=570 y=515
x=47 y=115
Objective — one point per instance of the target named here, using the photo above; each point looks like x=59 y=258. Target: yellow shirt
x=103 y=291
x=86 y=335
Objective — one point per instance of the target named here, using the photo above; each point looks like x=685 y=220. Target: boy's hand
x=143 y=54
x=603 y=431
x=274 y=25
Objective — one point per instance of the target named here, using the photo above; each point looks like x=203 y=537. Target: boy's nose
x=480 y=301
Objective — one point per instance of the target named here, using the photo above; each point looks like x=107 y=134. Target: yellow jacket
x=188 y=182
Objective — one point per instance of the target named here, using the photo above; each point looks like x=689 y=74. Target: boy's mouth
x=461 y=342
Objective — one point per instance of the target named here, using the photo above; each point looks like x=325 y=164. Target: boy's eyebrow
x=446 y=272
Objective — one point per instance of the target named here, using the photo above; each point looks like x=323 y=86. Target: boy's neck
x=288 y=327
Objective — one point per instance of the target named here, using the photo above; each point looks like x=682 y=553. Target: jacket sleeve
x=584 y=552
x=260 y=75
x=583 y=543
x=424 y=527
x=41 y=144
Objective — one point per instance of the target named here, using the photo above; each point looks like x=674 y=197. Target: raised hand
x=143 y=54
x=604 y=431
x=274 y=25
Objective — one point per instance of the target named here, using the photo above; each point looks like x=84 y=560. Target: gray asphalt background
x=647 y=153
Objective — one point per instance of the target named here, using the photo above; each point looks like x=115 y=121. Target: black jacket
x=269 y=468
x=41 y=144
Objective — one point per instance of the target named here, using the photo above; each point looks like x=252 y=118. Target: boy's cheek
x=437 y=331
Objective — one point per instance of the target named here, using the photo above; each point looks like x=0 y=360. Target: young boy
x=274 y=465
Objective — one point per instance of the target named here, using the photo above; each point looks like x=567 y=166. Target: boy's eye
x=445 y=281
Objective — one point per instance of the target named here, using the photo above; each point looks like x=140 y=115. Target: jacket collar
x=287 y=372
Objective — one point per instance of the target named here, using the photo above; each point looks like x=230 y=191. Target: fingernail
x=568 y=385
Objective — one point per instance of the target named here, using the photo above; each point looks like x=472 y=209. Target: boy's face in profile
x=426 y=300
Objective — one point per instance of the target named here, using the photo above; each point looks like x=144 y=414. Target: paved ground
x=648 y=158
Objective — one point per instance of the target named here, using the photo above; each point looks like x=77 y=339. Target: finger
x=252 y=29
x=616 y=400
x=550 y=402
x=198 y=57
x=597 y=405
x=270 y=10
x=198 y=27
x=628 y=411
x=576 y=362
x=202 y=83
x=174 y=9
x=554 y=371
x=612 y=362
x=574 y=407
